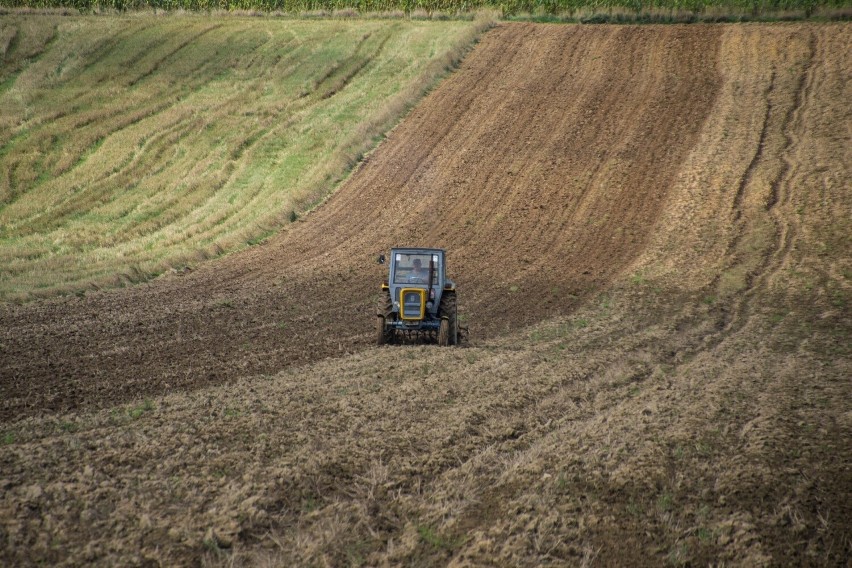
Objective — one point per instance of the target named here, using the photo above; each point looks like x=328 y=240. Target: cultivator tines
x=416 y=337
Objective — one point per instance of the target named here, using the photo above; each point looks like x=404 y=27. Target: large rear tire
x=447 y=310
x=444 y=333
x=384 y=311
x=381 y=334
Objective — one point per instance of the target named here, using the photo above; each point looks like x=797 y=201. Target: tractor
x=417 y=300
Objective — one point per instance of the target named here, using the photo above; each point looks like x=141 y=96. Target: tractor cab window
x=414 y=268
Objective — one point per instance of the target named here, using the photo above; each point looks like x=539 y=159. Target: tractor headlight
x=429 y=306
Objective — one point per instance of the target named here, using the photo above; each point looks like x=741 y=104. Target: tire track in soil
x=772 y=258
x=541 y=165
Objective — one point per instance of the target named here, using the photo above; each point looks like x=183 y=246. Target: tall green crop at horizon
x=131 y=144
x=572 y=8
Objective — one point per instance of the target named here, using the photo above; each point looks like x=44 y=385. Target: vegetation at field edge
x=575 y=10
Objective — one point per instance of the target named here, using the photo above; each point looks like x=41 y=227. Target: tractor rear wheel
x=447 y=310
x=384 y=311
x=444 y=333
x=381 y=334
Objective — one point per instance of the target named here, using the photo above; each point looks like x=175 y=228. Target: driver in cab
x=418 y=272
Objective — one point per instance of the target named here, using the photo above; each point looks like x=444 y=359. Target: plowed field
x=542 y=166
x=650 y=231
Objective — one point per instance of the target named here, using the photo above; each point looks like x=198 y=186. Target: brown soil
x=650 y=229
x=541 y=166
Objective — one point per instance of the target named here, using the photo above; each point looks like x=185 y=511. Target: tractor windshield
x=413 y=268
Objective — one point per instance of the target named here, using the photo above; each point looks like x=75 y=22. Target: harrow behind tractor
x=418 y=301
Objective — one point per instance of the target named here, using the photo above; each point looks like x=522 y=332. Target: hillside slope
x=542 y=166
x=134 y=144
x=650 y=228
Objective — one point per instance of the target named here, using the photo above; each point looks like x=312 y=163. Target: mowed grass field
x=132 y=145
